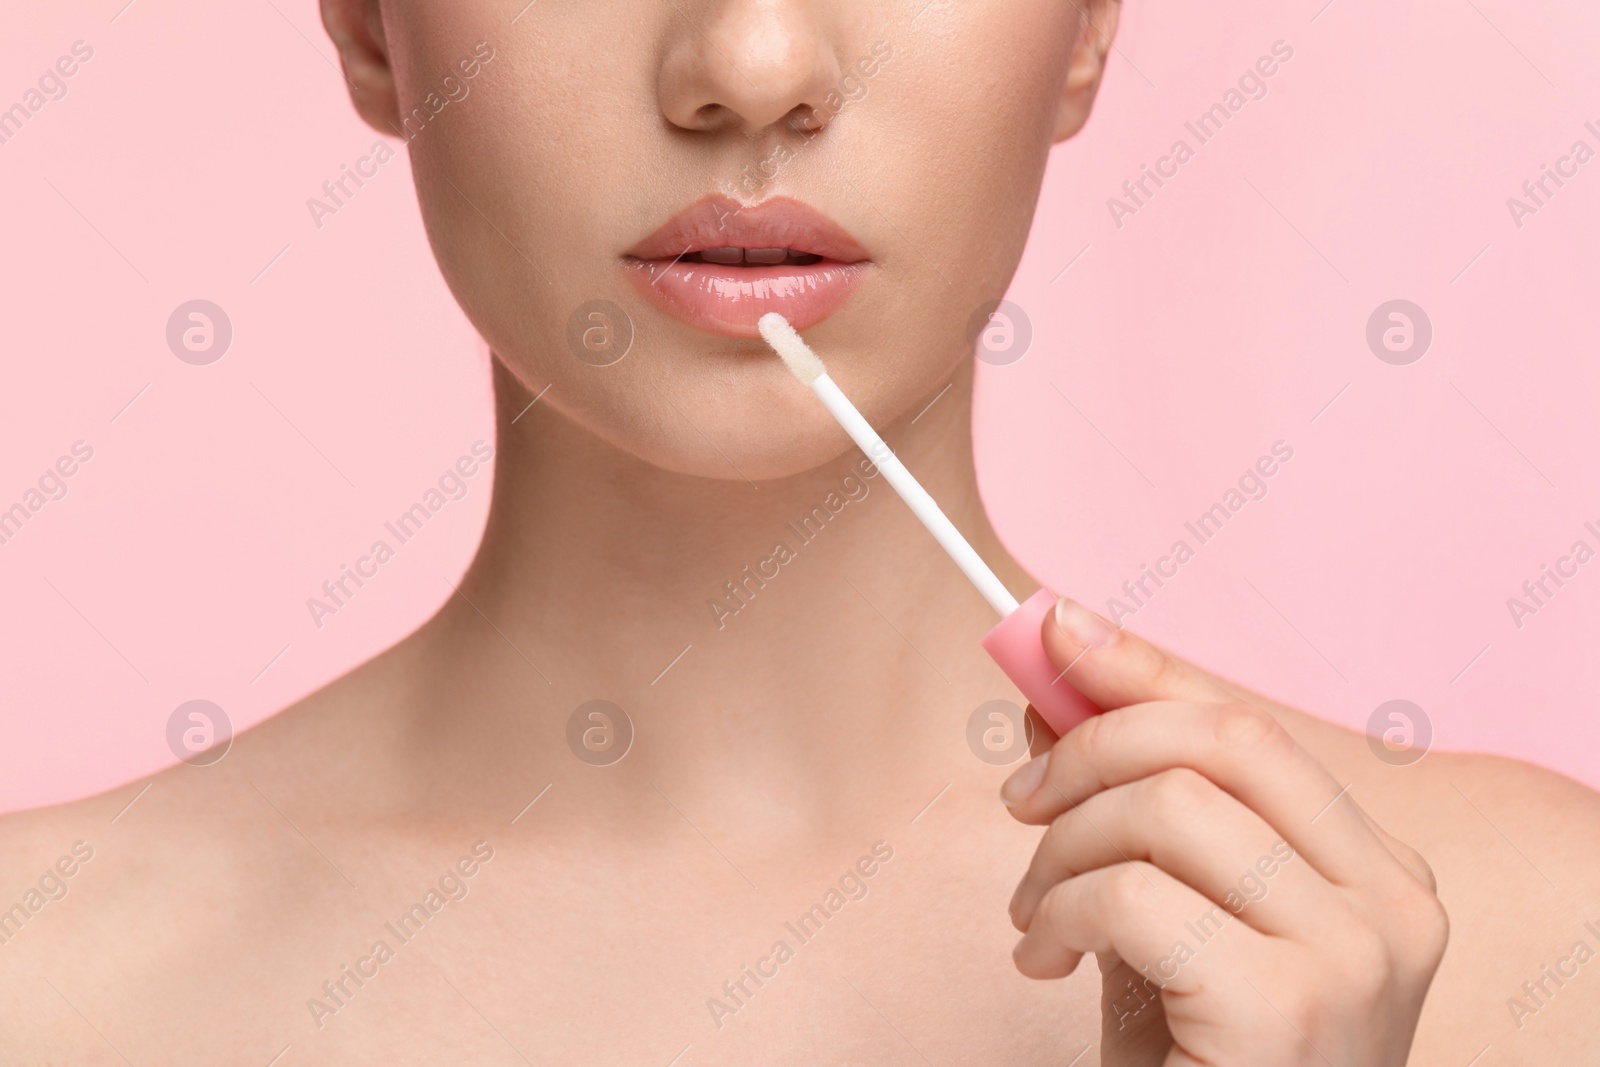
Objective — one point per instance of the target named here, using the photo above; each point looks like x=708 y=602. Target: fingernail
x=1020 y=786
x=1082 y=625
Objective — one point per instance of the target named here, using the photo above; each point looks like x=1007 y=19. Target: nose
x=748 y=64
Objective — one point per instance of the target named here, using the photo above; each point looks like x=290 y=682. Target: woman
x=441 y=856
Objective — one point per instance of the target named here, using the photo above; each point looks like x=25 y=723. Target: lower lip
x=731 y=300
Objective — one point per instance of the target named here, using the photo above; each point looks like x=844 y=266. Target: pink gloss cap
x=1017 y=646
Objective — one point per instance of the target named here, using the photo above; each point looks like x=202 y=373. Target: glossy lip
x=730 y=300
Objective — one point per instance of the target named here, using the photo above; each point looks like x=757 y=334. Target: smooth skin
x=1167 y=817
x=771 y=754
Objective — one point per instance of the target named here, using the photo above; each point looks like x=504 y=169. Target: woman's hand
x=1242 y=907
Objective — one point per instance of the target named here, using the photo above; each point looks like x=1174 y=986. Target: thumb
x=1115 y=668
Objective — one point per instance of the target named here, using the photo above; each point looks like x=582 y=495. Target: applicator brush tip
x=796 y=354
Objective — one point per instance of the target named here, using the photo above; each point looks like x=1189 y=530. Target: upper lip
x=722 y=222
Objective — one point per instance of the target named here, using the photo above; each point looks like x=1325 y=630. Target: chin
x=712 y=406
x=729 y=411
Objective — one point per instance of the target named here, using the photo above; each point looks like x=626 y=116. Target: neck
x=802 y=640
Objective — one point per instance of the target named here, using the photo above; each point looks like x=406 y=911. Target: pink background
x=1223 y=316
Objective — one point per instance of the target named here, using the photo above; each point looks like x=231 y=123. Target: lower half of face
x=616 y=190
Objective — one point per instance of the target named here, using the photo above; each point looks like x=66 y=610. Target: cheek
x=530 y=232
x=533 y=185
x=974 y=107
x=962 y=122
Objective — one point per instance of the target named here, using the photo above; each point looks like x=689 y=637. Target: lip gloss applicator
x=1014 y=643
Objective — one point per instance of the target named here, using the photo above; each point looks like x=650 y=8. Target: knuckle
x=1179 y=792
x=1160 y=668
x=1365 y=962
x=1127 y=889
x=1436 y=932
x=1086 y=739
x=1053 y=908
x=1414 y=861
x=1299 y=1003
x=1424 y=871
x=1424 y=927
x=1433 y=929
x=1241 y=727
x=1320 y=1004
x=1154 y=664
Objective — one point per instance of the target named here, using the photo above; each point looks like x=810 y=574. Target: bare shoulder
x=44 y=855
x=1516 y=851
x=60 y=885
x=140 y=895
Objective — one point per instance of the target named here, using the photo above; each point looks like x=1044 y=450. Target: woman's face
x=643 y=178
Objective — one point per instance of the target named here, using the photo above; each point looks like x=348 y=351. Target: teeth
x=731 y=256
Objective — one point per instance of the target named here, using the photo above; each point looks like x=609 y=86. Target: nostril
x=709 y=118
x=807 y=119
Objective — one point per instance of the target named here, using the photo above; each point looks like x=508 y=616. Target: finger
x=1163 y=929
x=1041 y=737
x=1240 y=748
x=1195 y=832
x=1114 y=667
x=1408 y=857
x=1133 y=1021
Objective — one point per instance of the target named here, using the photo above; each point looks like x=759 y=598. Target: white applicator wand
x=1015 y=642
